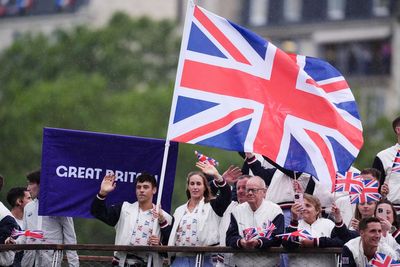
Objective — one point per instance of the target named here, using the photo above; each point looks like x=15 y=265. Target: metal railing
x=199 y=251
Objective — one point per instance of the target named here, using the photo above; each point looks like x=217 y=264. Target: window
x=292 y=10
x=258 y=12
x=335 y=9
x=360 y=58
x=380 y=8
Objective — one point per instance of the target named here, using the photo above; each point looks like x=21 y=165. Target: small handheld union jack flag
x=349 y=182
x=382 y=260
x=299 y=233
x=202 y=158
x=396 y=162
x=368 y=194
x=257 y=232
x=269 y=229
x=36 y=234
x=249 y=233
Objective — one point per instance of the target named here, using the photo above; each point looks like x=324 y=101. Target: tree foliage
x=126 y=52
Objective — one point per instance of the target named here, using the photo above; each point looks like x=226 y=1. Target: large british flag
x=236 y=91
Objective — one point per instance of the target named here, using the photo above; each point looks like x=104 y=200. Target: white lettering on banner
x=80 y=172
x=62 y=169
x=124 y=176
x=96 y=173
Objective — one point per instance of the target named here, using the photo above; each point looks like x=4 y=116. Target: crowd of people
x=255 y=207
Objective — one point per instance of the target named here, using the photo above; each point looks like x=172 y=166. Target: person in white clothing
x=306 y=216
x=56 y=230
x=18 y=197
x=384 y=211
x=134 y=222
x=360 y=251
x=3 y=209
x=256 y=212
x=383 y=162
x=7 y=225
x=197 y=221
x=278 y=180
x=353 y=213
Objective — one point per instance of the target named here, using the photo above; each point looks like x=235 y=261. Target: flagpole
x=190 y=5
x=189 y=10
x=160 y=190
x=162 y=176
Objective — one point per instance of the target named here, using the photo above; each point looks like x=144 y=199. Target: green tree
x=127 y=53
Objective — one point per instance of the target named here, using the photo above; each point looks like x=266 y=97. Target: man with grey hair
x=255 y=212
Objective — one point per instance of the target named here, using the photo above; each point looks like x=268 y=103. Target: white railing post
x=199 y=259
x=57 y=258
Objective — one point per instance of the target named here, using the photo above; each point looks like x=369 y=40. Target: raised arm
x=377 y=164
x=109 y=215
x=223 y=199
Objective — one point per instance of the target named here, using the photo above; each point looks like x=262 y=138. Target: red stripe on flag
x=335 y=86
x=326 y=153
x=330 y=87
x=221 y=38
x=208 y=128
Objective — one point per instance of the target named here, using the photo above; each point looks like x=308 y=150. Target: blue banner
x=75 y=162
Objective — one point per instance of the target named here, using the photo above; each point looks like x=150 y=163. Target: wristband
x=251 y=160
x=294 y=223
x=100 y=196
x=219 y=179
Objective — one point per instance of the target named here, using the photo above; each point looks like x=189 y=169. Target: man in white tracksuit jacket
x=361 y=250
x=133 y=222
x=56 y=230
x=256 y=212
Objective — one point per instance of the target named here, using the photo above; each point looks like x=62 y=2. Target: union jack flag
x=382 y=260
x=236 y=91
x=257 y=232
x=299 y=233
x=269 y=228
x=349 y=182
x=202 y=158
x=369 y=193
x=35 y=234
x=249 y=233
x=396 y=162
